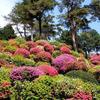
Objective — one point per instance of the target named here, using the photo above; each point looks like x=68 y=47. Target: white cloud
x=5 y=8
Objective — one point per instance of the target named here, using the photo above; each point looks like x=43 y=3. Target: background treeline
x=34 y=19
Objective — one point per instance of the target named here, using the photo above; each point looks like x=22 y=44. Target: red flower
x=5 y=84
x=31 y=44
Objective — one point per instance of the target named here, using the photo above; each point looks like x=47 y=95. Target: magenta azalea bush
x=22 y=52
x=25 y=73
x=64 y=62
x=65 y=49
x=35 y=50
x=49 y=48
x=31 y=44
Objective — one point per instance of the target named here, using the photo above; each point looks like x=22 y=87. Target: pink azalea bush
x=65 y=49
x=95 y=59
x=22 y=52
x=49 y=48
x=35 y=50
x=31 y=44
x=23 y=73
x=44 y=56
x=48 y=70
x=82 y=96
x=64 y=62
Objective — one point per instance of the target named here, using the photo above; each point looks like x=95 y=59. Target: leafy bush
x=25 y=73
x=19 y=60
x=85 y=76
x=74 y=53
x=22 y=52
x=4 y=75
x=20 y=41
x=10 y=49
x=56 y=53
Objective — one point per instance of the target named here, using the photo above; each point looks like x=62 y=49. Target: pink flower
x=65 y=49
x=35 y=50
x=22 y=52
x=48 y=48
x=48 y=70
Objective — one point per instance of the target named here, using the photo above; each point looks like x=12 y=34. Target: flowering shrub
x=83 y=96
x=25 y=73
x=48 y=70
x=41 y=42
x=64 y=62
x=22 y=52
x=48 y=48
x=4 y=90
x=35 y=50
x=31 y=44
x=44 y=56
x=95 y=59
x=65 y=49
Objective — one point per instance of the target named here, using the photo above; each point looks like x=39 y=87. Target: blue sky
x=7 y=5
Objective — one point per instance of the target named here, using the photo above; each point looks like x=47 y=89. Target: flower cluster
x=95 y=59
x=4 y=90
x=35 y=50
x=65 y=49
x=31 y=44
x=83 y=96
x=25 y=73
x=64 y=62
x=22 y=52
x=49 y=48
x=44 y=56
x=48 y=70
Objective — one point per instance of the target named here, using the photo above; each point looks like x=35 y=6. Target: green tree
x=74 y=17
x=89 y=41
x=29 y=12
x=7 y=32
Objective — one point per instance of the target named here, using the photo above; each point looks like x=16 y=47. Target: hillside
x=45 y=70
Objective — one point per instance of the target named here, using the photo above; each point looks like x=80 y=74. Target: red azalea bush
x=83 y=96
x=64 y=62
x=22 y=52
x=25 y=73
x=65 y=49
x=35 y=50
x=48 y=70
x=44 y=56
x=31 y=44
x=95 y=59
x=5 y=90
x=49 y=48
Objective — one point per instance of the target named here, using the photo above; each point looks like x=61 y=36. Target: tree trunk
x=40 y=26
x=74 y=41
x=32 y=35
x=24 y=27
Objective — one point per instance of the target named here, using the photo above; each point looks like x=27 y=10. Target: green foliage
x=56 y=53
x=7 y=33
x=20 y=60
x=4 y=75
x=76 y=54
x=20 y=41
x=85 y=76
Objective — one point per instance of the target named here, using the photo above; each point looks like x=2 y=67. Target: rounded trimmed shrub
x=65 y=49
x=22 y=52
